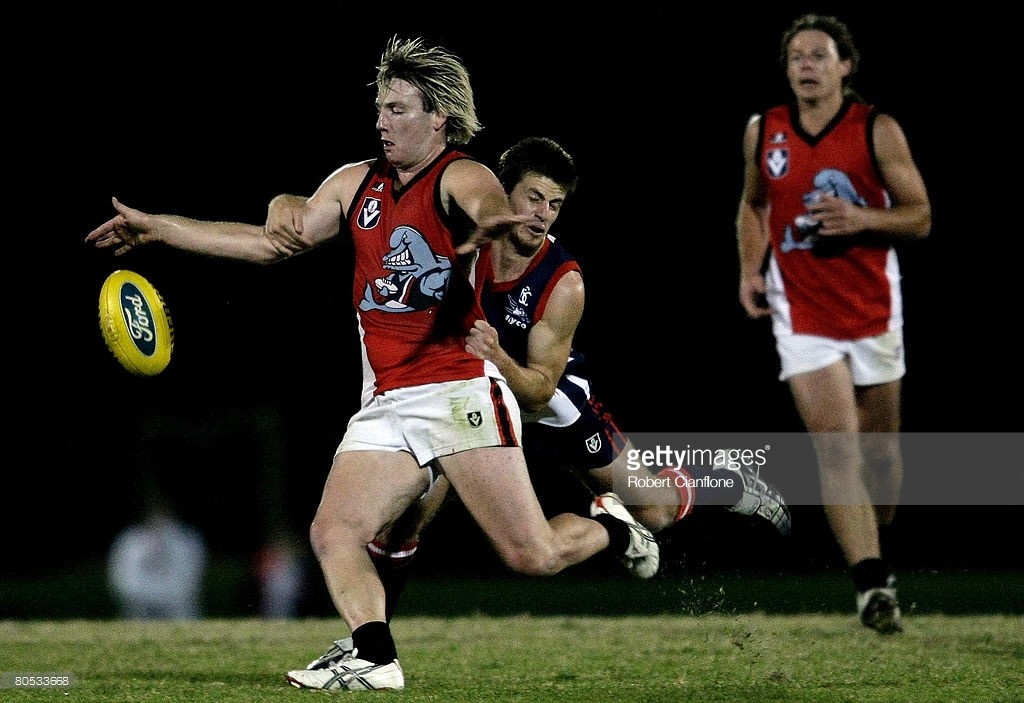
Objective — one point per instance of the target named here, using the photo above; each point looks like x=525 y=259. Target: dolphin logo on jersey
x=418 y=278
x=828 y=181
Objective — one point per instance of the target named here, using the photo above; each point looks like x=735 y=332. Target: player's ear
x=440 y=120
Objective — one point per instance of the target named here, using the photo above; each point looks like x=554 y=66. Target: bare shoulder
x=474 y=187
x=888 y=136
x=467 y=169
x=354 y=171
x=750 y=134
x=566 y=302
x=342 y=184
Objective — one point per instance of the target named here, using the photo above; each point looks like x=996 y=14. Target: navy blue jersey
x=574 y=430
x=513 y=307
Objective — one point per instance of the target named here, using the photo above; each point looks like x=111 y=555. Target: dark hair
x=537 y=155
x=832 y=26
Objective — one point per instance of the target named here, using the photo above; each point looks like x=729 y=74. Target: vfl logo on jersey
x=369 y=213
x=475 y=418
x=594 y=443
x=777 y=162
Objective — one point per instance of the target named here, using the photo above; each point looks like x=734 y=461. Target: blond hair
x=440 y=76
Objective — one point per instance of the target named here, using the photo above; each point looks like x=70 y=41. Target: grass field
x=539 y=659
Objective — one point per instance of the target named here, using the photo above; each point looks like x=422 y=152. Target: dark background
x=175 y=110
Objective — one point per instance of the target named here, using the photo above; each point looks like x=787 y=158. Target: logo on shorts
x=475 y=418
x=594 y=443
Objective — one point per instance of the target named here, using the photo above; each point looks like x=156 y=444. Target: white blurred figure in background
x=156 y=566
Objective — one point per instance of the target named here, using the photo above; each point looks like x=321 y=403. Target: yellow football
x=135 y=323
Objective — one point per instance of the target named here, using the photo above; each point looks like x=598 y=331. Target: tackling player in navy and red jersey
x=532 y=292
x=829 y=184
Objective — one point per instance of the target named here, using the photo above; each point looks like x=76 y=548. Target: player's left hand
x=838 y=216
x=482 y=341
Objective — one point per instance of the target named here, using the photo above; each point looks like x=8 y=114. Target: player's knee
x=319 y=539
x=327 y=534
x=530 y=561
x=654 y=517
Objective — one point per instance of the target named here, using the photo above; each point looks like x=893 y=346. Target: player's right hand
x=752 y=297
x=284 y=222
x=126 y=230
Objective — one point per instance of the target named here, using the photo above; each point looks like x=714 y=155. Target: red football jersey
x=414 y=302
x=839 y=287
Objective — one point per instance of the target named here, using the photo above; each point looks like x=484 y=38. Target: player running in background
x=829 y=184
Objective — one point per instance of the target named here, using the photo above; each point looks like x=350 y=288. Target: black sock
x=618 y=533
x=374 y=642
x=870 y=573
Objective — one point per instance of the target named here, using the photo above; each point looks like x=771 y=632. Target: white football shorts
x=872 y=360
x=437 y=419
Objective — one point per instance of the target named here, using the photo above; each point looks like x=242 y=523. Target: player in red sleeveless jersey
x=829 y=185
x=429 y=405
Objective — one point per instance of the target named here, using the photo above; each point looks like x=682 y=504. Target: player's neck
x=406 y=173
x=816 y=114
x=508 y=261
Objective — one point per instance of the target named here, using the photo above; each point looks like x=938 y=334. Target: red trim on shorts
x=616 y=438
x=502 y=417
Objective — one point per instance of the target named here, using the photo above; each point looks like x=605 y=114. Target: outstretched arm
x=131 y=228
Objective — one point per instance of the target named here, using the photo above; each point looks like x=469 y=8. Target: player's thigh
x=494 y=485
x=417 y=516
x=367 y=490
x=614 y=476
x=825 y=398
x=879 y=407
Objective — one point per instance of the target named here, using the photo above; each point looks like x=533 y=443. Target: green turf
x=670 y=658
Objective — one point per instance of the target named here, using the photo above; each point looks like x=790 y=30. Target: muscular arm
x=910 y=216
x=295 y=223
x=478 y=193
x=230 y=240
x=301 y=225
x=548 y=345
x=752 y=237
